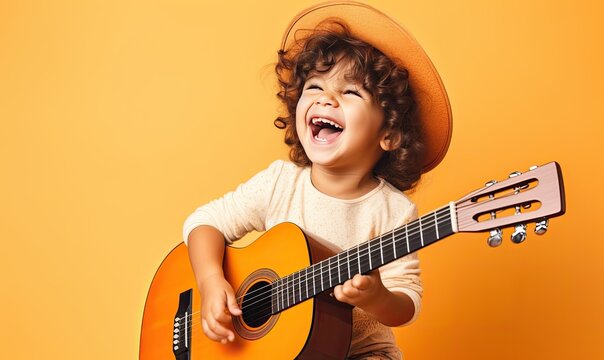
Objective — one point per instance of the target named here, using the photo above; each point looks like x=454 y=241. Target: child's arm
x=205 y=232
x=206 y=250
x=369 y=293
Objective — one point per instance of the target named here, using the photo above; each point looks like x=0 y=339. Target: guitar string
x=284 y=286
x=360 y=250
x=287 y=285
x=263 y=312
x=369 y=246
x=267 y=310
x=255 y=314
x=280 y=289
x=357 y=251
x=387 y=252
x=266 y=290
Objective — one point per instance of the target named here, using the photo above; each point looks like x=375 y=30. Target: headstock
x=535 y=195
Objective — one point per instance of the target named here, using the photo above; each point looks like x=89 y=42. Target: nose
x=327 y=99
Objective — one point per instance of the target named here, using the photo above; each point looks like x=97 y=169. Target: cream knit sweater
x=284 y=192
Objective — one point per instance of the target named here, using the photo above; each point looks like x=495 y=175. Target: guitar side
x=315 y=329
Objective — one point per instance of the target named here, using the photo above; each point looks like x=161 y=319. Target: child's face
x=338 y=123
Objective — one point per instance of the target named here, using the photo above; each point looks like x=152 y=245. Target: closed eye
x=353 y=92
x=313 y=86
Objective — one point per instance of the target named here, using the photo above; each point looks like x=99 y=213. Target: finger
x=349 y=290
x=361 y=282
x=219 y=311
x=232 y=305
x=209 y=333
x=337 y=293
x=219 y=330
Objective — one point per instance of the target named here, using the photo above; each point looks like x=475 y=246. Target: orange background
x=120 y=117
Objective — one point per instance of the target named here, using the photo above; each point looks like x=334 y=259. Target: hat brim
x=377 y=29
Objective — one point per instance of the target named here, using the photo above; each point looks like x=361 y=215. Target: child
x=362 y=125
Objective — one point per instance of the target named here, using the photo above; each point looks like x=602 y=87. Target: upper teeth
x=325 y=121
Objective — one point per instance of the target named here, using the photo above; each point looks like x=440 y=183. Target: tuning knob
x=519 y=234
x=495 y=238
x=541 y=227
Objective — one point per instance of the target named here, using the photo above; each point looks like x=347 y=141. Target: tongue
x=328 y=133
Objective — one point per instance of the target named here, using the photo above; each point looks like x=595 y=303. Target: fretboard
x=361 y=259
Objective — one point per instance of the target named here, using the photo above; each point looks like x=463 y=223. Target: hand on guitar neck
x=369 y=293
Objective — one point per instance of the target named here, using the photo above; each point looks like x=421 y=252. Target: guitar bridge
x=182 y=327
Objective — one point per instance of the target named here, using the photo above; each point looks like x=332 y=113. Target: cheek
x=301 y=115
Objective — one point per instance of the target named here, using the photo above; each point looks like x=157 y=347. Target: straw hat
x=385 y=34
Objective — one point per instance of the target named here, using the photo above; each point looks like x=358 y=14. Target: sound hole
x=256 y=304
x=255 y=294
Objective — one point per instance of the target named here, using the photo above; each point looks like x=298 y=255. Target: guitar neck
x=361 y=259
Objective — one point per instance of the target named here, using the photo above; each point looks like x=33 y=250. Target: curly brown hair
x=388 y=83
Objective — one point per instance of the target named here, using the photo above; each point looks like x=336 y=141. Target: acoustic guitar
x=284 y=278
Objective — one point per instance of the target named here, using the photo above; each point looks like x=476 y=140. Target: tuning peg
x=541 y=226
x=519 y=234
x=495 y=238
x=534 y=167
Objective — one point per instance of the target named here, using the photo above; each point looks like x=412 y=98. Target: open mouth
x=324 y=129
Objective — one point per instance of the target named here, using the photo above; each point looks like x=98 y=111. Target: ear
x=391 y=140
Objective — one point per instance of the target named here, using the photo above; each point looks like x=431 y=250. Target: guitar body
x=318 y=328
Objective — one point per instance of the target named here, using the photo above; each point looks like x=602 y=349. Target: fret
x=329 y=271
x=303 y=288
x=400 y=247
x=365 y=262
x=287 y=290
x=306 y=291
x=314 y=275
x=375 y=254
x=353 y=258
x=294 y=284
x=359 y=258
x=389 y=254
x=344 y=265
x=394 y=245
x=381 y=249
x=291 y=286
x=445 y=228
x=275 y=295
x=421 y=232
x=348 y=260
x=369 y=254
x=319 y=274
x=436 y=225
x=338 y=265
x=429 y=234
x=415 y=237
x=407 y=238
x=281 y=290
x=324 y=280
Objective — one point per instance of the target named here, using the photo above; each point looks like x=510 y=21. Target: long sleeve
x=240 y=211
